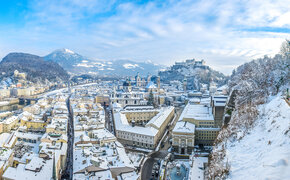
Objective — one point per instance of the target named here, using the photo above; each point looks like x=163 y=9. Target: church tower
x=184 y=84
x=158 y=83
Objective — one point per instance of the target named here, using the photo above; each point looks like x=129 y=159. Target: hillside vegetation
x=253 y=84
x=34 y=66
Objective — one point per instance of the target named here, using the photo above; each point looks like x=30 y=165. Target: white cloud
x=221 y=32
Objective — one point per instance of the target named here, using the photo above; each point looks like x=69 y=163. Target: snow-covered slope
x=78 y=64
x=264 y=152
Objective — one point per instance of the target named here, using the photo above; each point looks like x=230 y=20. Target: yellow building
x=56 y=143
x=6 y=156
x=33 y=124
x=103 y=136
x=4 y=93
x=147 y=136
x=9 y=123
x=206 y=136
x=183 y=136
x=19 y=75
x=205 y=131
x=161 y=100
x=140 y=114
x=1 y=127
x=102 y=99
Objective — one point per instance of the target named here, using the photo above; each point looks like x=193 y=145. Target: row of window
x=126 y=101
x=124 y=134
x=206 y=122
x=27 y=140
x=136 y=139
x=142 y=144
x=207 y=137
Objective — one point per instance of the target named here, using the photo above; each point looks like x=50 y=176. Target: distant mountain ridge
x=34 y=66
x=78 y=64
x=65 y=57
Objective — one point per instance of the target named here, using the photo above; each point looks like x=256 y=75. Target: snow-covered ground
x=264 y=152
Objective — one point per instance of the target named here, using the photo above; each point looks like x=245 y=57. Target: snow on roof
x=10 y=140
x=35 y=164
x=194 y=100
x=111 y=156
x=121 y=124
x=151 y=85
x=27 y=114
x=103 y=134
x=205 y=101
x=28 y=135
x=4 y=103
x=196 y=171
x=104 y=174
x=5 y=114
x=54 y=137
x=3 y=138
x=21 y=173
x=197 y=112
x=116 y=105
x=5 y=154
x=160 y=118
x=129 y=108
x=10 y=119
x=184 y=127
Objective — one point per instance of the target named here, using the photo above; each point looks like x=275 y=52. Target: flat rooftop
x=197 y=112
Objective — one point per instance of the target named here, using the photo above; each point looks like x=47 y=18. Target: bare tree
x=285 y=48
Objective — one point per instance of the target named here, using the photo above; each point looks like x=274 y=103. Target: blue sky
x=224 y=33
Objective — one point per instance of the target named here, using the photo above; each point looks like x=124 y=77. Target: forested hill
x=36 y=68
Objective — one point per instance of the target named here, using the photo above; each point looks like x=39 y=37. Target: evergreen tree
x=150 y=99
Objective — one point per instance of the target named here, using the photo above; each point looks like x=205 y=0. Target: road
x=109 y=119
x=148 y=164
x=146 y=171
x=68 y=173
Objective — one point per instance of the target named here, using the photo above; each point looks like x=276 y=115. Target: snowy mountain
x=78 y=64
x=65 y=57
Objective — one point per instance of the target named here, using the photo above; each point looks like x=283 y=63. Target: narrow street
x=68 y=173
x=148 y=164
x=109 y=123
x=146 y=170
